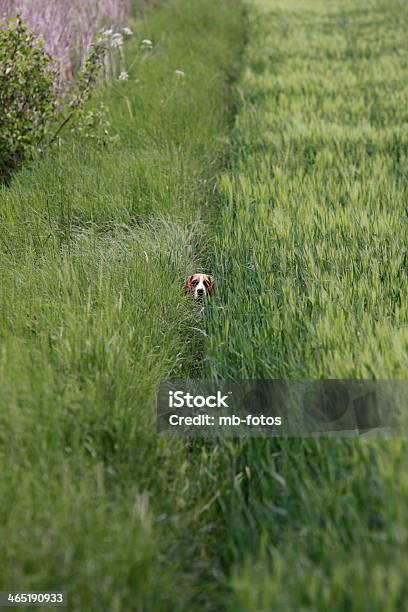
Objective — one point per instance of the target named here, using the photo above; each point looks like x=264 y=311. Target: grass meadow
x=95 y=245
x=298 y=207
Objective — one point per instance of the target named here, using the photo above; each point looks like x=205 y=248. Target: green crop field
x=265 y=142
x=312 y=262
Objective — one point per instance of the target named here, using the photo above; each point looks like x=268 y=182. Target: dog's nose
x=200 y=292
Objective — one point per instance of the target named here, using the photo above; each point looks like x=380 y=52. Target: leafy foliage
x=27 y=97
x=31 y=115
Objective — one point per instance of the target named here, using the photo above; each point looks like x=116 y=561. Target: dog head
x=199 y=285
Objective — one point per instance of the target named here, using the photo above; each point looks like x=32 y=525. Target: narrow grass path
x=312 y=283
x=94 y=248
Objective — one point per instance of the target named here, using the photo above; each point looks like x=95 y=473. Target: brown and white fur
x=199 y=285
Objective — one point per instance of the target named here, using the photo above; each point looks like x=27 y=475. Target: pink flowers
x=68 y=28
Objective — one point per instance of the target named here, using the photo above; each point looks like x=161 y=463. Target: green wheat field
x=278 y=163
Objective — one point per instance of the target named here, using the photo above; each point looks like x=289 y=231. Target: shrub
x=32 y=116
x=27 y=96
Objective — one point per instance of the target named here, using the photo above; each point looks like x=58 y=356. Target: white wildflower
x=146 y=42
x=108 y=32
x=123 y=76
x=127 y=31
x=117 y=40
x=180 y=73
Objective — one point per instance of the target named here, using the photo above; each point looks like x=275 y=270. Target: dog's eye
x=206 y=284
x=194 y=282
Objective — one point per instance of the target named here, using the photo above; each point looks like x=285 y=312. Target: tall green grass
x=312 y=283
x=309 y=259
x=95 y=245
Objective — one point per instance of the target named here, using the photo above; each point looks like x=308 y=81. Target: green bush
x=32 y=116
x=27 y=95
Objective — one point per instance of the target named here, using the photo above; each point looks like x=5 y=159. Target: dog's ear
x=188 y=284
x=211 y=285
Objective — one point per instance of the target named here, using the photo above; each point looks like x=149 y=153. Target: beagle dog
x=199 y=285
